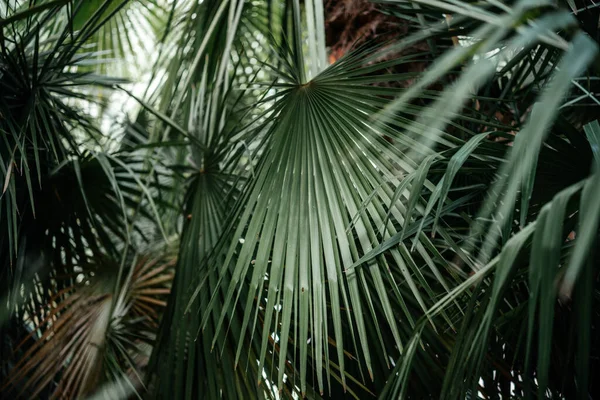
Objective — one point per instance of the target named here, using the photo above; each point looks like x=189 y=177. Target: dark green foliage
x=348 y=230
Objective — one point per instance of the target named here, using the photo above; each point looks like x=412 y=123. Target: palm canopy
x=360 y=228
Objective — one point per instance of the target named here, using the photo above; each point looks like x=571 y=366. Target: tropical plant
x=416 y=216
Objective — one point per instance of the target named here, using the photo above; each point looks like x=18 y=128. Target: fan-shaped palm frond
x=99 y=329
x=125 y=32
x=319 y=164
x=208 y=104
x=365 y=228
x=63 y=206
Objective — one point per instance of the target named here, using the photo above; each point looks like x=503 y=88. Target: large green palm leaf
x=295 y=242
x=492 y=351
